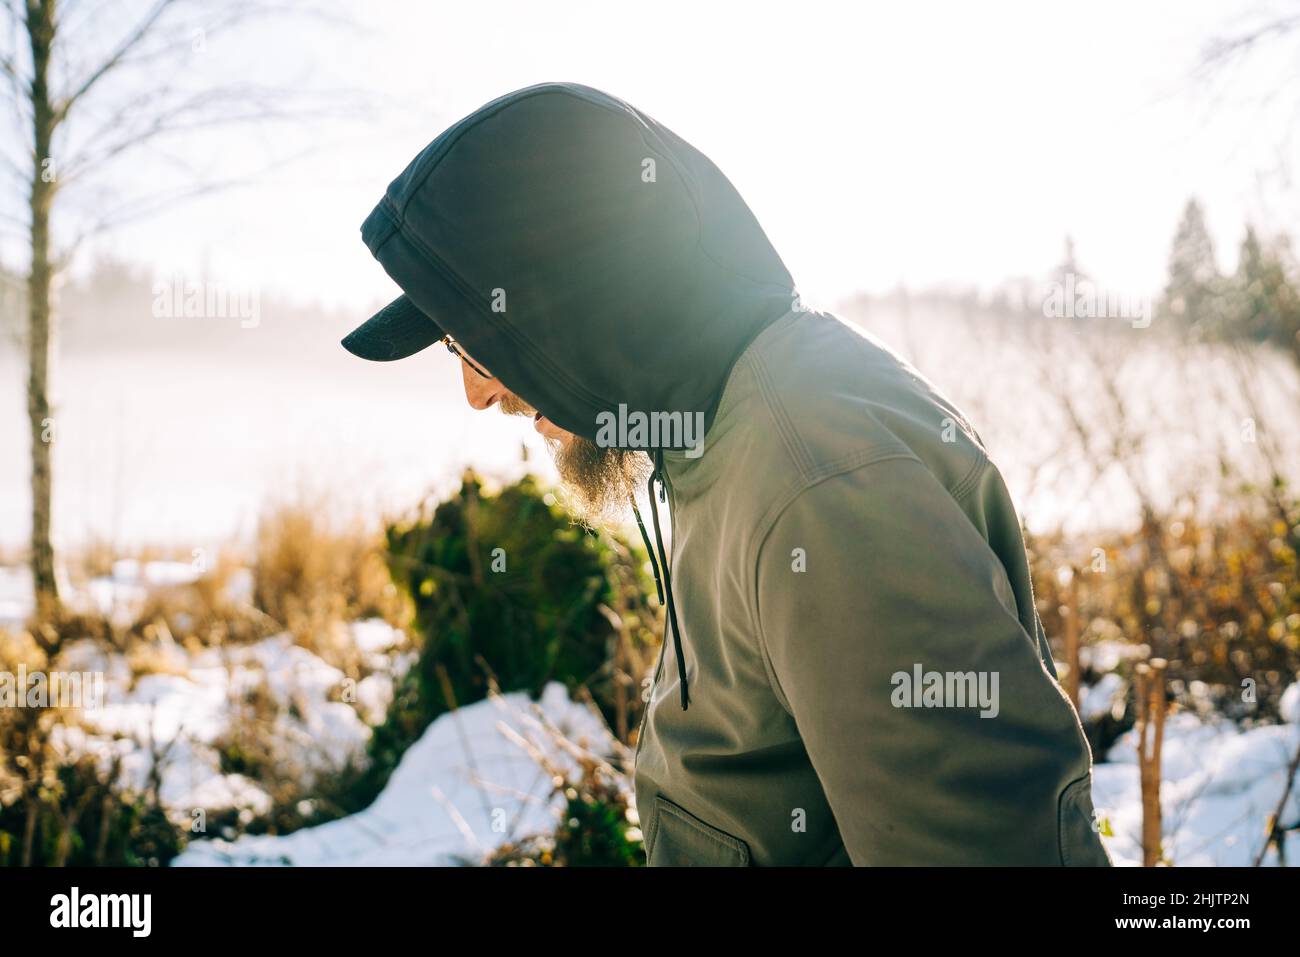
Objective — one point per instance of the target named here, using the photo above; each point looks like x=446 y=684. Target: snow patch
x=1219 y=785
x=461 y=790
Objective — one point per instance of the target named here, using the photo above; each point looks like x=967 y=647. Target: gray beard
x=598 y=483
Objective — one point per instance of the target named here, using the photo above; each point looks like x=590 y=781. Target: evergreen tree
x=1069 y=265
x=1192 y=294
x=1252 y=309
x=1266 y=303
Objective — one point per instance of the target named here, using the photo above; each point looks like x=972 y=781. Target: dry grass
x=304 y=575
x=1219 y=600
x=312 y=578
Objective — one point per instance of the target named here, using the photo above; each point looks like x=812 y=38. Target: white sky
x=919 y=142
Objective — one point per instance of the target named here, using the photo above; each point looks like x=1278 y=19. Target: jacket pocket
x=1080 y=843
x=679 y=839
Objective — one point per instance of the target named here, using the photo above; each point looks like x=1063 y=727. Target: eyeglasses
x=455 y=350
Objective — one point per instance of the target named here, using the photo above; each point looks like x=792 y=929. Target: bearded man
x=838 y=532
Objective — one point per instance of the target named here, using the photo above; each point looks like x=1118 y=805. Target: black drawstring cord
x=659 y=588
x=665 y=586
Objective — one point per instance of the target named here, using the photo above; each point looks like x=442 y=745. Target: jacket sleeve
x=895 y=580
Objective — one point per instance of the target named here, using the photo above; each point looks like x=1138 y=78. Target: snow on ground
x=1219 y=785
x=463 y=788
x=466 y=787
x=454 y=788
x=118 y=595
x=1100 y=698
x=193 y=702
x=15 y=595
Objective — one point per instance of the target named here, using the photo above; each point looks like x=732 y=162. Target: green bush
x=507 y=589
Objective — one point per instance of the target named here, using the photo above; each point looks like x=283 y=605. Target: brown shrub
x=312 y=578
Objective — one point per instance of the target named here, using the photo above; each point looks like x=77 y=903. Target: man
x=854 y=670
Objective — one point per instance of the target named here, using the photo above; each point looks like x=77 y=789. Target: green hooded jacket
x=855 y=671
x=842 y=531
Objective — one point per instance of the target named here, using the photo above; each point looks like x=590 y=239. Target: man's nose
x=480 y=393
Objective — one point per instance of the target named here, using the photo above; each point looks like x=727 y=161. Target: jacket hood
x=583 y=253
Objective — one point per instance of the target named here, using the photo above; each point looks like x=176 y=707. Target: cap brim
x=398 y=330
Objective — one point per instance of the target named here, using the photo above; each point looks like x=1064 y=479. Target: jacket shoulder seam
x=790 y=438
x=850 y=463
x=972 y=477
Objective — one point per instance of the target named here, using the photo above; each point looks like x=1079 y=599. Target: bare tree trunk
x=52 y=89
x=1151 y=733
x=40 y=28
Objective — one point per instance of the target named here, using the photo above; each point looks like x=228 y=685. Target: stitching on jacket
x=791 y=439
x=972 y=477
x=851 y=463
x=715 y=834
x=1064 y=847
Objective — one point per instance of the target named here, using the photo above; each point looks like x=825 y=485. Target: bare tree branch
x=132 y=40
x=1276 y=830
x=34 y=82
x=146 y=206
x=1223 y=50
x=206 y=110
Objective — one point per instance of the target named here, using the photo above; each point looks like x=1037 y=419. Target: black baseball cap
x=398 y=330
